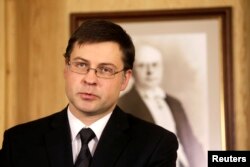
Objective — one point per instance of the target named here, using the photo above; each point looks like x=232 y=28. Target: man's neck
x=88 y=118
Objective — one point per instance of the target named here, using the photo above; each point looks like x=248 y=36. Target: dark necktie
x=84 y=156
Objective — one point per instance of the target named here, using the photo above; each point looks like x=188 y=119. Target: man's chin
x=88 y=111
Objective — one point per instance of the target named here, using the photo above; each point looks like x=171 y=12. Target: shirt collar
x=76 y=125
x=151 y=93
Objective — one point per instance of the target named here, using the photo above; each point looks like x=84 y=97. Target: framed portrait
x=196 y=47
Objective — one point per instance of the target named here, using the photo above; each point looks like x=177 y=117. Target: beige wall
x=36 y=32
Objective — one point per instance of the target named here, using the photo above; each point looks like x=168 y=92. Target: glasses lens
x=105 y=72
x=79 y=67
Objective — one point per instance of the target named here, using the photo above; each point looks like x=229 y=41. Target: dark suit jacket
x=125 y=142
x=132 y=103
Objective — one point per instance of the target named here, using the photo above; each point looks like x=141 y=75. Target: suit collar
x=58 y=141
x=141 y=110
x=113 y=140
x=152 y=93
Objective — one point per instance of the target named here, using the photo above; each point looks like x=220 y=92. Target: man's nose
x=149 y=69
x=90 y=77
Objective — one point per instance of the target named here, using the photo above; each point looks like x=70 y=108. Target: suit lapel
x=113 y=140
x=58 y=141
x=141 y=110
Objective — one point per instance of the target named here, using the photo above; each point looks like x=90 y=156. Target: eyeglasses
x=103 y=71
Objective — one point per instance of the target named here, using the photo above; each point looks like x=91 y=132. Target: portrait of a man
x=147 y=100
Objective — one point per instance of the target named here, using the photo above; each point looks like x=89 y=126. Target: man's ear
x=126 y=77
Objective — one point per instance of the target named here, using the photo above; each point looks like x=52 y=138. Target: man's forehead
x=147 y=54
x=98 y=53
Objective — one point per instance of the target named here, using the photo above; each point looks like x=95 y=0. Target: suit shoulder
x=31 y=127
x=173 y=99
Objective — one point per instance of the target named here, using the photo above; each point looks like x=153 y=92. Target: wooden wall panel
x=34 y=62
x=242 y=72
x=2 y=69
x=35 y=39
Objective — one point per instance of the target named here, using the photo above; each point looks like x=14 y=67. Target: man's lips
x=87 y=96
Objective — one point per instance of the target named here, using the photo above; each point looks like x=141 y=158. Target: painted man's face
x=148 y=67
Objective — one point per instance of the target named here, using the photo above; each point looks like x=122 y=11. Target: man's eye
x=106 y=70
x=140 y=65
x=80 y=64
x=154 y=64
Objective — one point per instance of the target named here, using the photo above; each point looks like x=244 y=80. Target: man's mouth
x=88 y=96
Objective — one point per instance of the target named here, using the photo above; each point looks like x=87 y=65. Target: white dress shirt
x=155 y=101
x=75 y=127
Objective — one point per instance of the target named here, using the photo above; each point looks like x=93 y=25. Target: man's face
x=87 y=93
x=148 y=68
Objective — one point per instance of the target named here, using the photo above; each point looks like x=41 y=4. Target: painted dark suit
x=125 y=142
x=133 y=104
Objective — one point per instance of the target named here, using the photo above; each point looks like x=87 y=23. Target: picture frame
x=213 y=27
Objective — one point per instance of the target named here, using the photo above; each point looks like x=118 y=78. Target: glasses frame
x=69 y=63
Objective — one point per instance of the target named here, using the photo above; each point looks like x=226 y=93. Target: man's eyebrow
x=107 y=64
x=101 y=64
x=80 y=59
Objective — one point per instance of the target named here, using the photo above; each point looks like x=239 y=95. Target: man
x=148 y=101
x=92 y=130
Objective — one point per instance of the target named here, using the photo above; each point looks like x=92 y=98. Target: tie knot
x=86 y=134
